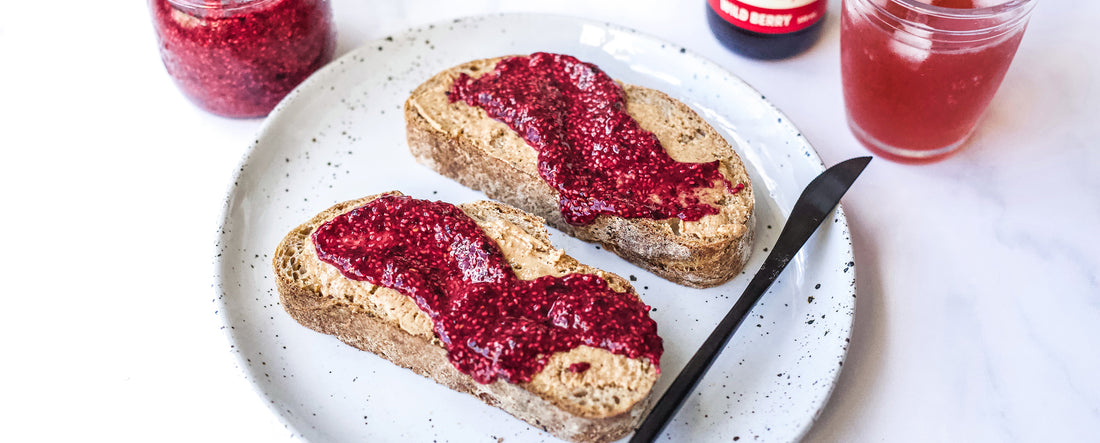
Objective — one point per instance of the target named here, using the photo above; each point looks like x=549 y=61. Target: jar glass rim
x=1009 y=7
x=953 y=21
x=202 y=7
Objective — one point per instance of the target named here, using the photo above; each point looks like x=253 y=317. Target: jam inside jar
x=239 y=58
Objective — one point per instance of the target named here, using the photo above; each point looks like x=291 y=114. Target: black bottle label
x=770 y=16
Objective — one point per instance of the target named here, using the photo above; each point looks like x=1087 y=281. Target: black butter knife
x=817 y=200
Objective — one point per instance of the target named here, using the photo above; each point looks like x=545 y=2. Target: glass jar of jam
x=239 y=58
x=766 y=29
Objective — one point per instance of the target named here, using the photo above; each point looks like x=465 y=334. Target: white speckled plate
x=341 y=135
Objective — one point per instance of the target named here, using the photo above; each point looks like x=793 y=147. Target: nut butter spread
x=492 y=323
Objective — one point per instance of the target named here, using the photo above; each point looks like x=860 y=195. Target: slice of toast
x=463 y=143
x=603 y=403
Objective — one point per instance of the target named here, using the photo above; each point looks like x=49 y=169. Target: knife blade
x=813 y=205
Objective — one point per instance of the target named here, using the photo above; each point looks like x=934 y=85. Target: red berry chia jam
x=240 y=58
x=492 y=323
x=590 y=150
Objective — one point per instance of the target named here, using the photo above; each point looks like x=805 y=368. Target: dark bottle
x=766 y=29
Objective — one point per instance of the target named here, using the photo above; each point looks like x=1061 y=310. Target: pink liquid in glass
x=916 y=85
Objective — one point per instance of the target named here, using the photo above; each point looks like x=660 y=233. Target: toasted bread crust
x=547 y=402
x=697 y=254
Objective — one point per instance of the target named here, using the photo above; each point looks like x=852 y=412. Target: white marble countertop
x=979 y=277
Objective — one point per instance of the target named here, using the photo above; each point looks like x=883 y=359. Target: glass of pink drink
x=918 y=75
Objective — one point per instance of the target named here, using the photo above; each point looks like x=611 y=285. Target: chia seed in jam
x=590 y=150
x=239 y=58
x=492 y=323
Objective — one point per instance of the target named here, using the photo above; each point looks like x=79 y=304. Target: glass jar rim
x=959 y=22
x=204 y=7
x=1010 y=7
x=1007 y=7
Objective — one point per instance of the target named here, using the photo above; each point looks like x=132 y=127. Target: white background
x=979 y=277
